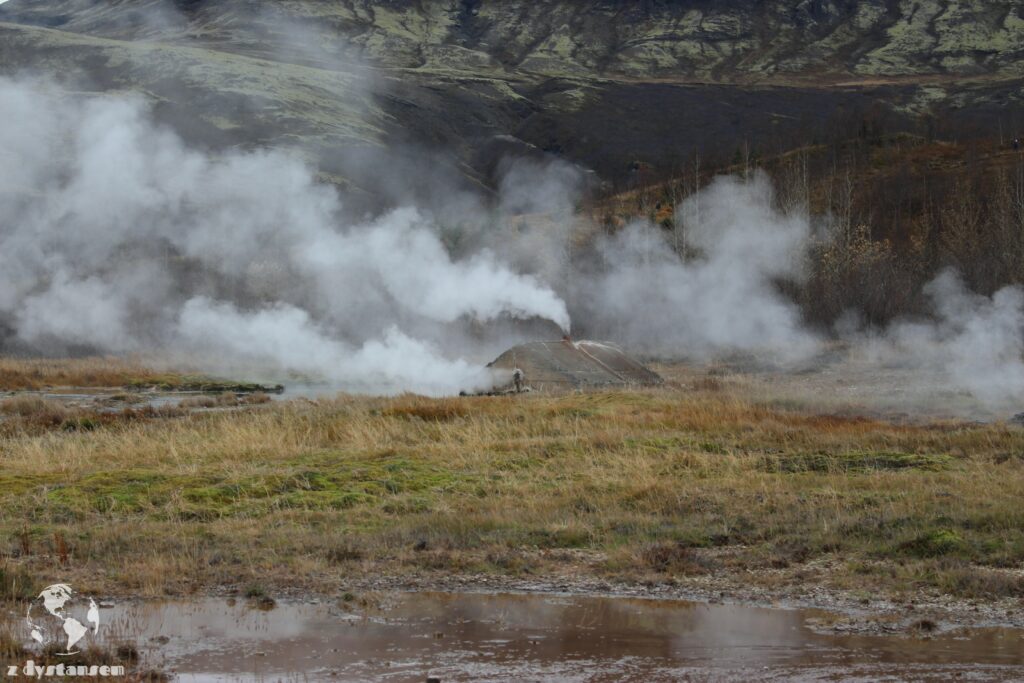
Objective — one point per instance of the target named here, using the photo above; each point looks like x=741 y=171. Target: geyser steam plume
x=117 y=237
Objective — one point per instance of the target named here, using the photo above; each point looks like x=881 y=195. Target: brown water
x=488 y=637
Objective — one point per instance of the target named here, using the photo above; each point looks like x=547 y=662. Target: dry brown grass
x=661 y=481
x=29 y=405
x=227 y=399
x=11 y=647
x=443 y=410
x=34 y=374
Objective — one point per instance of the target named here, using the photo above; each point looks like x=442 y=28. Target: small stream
x=503 y=637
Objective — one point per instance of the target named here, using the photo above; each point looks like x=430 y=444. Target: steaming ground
x=117 y=237
x=843 y=380
x=124 y=240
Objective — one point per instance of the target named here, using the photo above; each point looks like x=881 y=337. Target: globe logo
x=59 y=616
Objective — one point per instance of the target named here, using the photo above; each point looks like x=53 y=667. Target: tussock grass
x=54 y=416
x=227 y=399
x=34 y=374
x=19 y=374
x=11 y=647
x=32 y=406
x=440 y=410
x=658 y=482
x=16 y=584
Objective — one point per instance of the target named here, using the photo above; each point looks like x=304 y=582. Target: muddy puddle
x=106 y=400
x=487 y=637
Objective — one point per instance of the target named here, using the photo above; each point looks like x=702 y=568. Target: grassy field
x=646 y=485
x=34 y=374
x=19 y=374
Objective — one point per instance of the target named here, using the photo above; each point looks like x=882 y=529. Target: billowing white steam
x=285 y=336
x=115 y=236
x=977 y=341
x=723 y=297
x=118 y=237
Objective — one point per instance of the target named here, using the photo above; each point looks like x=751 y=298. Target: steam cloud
x=118 y=237
x=977 y=341
x=723 y=297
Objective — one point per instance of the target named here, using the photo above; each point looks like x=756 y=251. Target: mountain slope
x=736 y=40
x=605 y=83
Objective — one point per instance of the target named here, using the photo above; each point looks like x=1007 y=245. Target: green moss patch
x=854 y=462
x=935 y=543
x=337 y=483
x=200 y=383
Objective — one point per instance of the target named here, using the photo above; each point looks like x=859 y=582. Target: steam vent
x=568 y=365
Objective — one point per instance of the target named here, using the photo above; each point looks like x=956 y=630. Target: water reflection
x=517 y=637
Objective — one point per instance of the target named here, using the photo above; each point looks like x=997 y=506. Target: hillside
x=734 y=41
x=601 y=83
